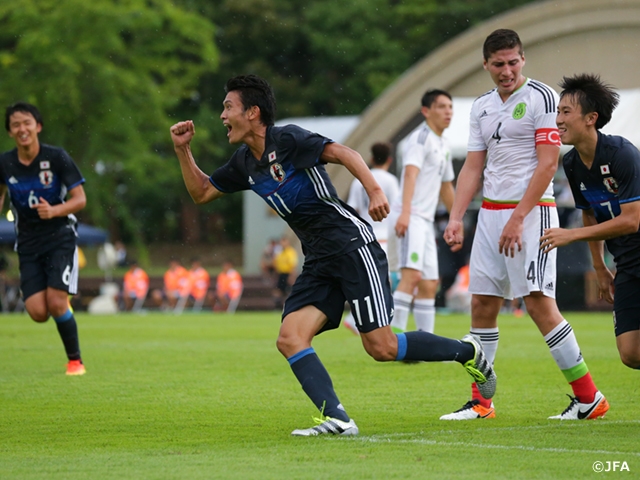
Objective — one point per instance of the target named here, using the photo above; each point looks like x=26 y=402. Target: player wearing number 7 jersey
x=604 y=174
x=343 y=261
x=45 y=189
x=513 y=128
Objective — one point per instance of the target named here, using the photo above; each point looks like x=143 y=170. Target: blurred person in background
x=285 y=263
x=200 y=280
x=228 y=287
x=135 y=285
x=177 y=284
x=427 y=176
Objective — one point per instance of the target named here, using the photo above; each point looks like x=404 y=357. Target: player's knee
x=39 y=315
x=287 y=344
x=631 y=359
x=382 y=352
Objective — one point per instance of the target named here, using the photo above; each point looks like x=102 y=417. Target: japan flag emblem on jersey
x=604 y=169
x=46 y=177
x=272 y=156
x=44 y=165
x=277 y=172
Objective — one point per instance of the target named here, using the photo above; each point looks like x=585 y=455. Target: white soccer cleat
x=584 y=411
x=480 y=369
x=470 y=411
x=328 y=426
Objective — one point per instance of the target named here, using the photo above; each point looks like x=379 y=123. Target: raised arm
x=196 y=181
x=378 y=203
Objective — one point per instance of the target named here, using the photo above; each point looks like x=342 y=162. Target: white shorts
x=492 y=273
x=417 y=249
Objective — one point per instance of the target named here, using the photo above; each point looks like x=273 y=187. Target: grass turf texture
x=209 y=396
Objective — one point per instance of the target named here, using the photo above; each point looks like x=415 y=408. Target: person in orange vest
x=200 y=281
x=228 y=286
x=177 y=283
x=135 y=285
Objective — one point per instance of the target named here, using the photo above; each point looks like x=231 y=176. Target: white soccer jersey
x=432 y=155
x=509 y=132
x=359 y=200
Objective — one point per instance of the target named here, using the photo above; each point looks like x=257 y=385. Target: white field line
x=401 y=438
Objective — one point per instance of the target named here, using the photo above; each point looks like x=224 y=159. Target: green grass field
x=209 y=396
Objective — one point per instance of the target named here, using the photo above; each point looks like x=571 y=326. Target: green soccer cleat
x=480 y=369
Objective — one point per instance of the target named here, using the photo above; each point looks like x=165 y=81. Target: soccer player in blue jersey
x=343 y=262
x=45 y=189
x=604 y=175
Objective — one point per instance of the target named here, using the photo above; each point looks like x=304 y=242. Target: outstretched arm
x=378 y=203
x=626 y=223
x=196 y=181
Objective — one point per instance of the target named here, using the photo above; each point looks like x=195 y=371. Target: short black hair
x=255 y=91
x=592 y=94
x=430 y=96
x=23 y=107
x=380 y=153
x=501 y=39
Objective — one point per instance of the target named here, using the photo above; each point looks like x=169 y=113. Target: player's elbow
x=630 y=226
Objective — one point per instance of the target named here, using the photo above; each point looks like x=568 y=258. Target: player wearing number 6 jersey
x=513 y=128
x=39 y=178
x=343 y=262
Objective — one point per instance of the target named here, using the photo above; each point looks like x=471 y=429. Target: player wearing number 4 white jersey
x=513 y=128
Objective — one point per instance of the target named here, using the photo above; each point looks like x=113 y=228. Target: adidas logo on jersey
x=251 y=182
x=13 y=180
x=582 y=187
x=484 y=114
x=549 y=286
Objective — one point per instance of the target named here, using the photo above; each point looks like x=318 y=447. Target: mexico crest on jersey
x=611 y=184
x=46 y=177
x=277 y=172
x=519 y=111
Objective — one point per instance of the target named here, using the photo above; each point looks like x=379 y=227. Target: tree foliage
x=105 y=74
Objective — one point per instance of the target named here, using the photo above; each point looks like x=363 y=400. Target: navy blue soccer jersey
x=612 y=180
x=292 y=179
x=50 y=176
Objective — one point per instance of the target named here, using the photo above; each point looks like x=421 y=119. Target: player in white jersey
x=513 y=128
x=427 y=176
x=381 y=160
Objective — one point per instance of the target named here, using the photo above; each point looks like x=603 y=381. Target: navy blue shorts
x=626 y=304
x=55 y=267
x=360 y=277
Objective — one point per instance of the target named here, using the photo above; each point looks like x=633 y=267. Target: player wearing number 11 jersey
x=513 y=129
x=45 y=188
x=343 y=261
